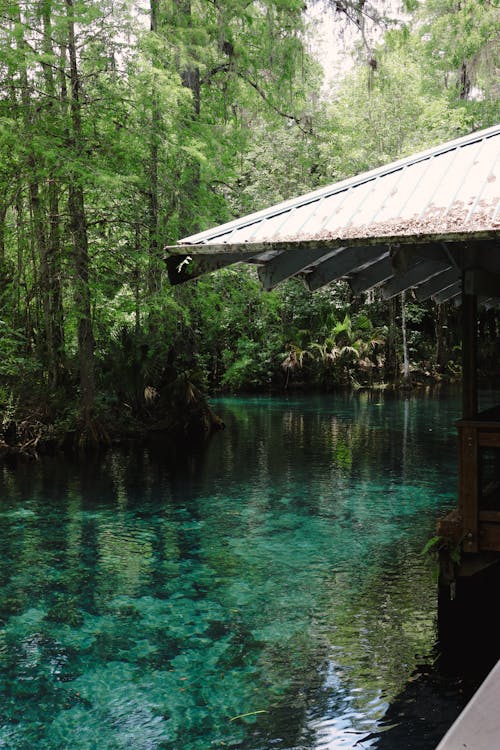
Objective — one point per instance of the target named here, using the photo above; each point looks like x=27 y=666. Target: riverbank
x=184 y=414
x=277 y=572
x=33 y=431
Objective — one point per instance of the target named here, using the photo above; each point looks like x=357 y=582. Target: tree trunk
x=391 y=354
x=441 y=336
x=465 y=82
x=406 y=358
x=56 y=294
x=21 y=244
x=53 y=239
x=154 y=264
x=190 y=77
x=3 y=214
x=37 y=209
x=78 y=225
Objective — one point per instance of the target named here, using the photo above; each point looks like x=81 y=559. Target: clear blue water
x=267 y=590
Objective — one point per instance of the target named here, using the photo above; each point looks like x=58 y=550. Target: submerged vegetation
x=125 y=126
x=236 y=597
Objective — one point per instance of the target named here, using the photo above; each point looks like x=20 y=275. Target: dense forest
x=127 y=124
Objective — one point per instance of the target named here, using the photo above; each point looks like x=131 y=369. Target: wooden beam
x=488 y=237
x=488 y=303
x=183 y=268
x=405 y=257
x=436 y=284
x=259 y=248
x=418 y=274
x=372 y=276
x=469 y=354
x=448 y=293
x=346 y=261
x=478 y=282
x=289 y=263
x=490 y=537
x=468 y=467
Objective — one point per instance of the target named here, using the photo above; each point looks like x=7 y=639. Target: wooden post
x=468 y=486
x=469 y=353
x=469 y=465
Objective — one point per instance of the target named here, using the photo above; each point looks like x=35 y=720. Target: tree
x=461 y=43
x=78 y=225
x=119 y=136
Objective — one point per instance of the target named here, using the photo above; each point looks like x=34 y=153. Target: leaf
x=431 y=544
x=250 y=713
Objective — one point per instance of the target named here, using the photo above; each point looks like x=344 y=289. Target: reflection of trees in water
x=117 y=577
x=438 y=689
x=232 y=578
x=389 y=612
x=394 y=629
x=332 y=446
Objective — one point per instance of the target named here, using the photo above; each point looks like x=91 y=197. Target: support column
x=468 y=461
x=469 y=353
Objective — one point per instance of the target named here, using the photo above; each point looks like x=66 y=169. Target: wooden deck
x=479 y=481
x=471 y=532
x=478 y=726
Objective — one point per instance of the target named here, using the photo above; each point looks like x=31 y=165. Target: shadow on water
x=467 y=648
x=265 y=590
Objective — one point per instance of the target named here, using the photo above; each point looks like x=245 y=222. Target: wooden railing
x=479 y=481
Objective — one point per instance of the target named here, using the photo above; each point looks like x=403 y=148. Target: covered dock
x=478 y=726
x=429 y=223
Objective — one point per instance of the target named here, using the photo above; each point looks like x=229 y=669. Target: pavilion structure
x=429 y=223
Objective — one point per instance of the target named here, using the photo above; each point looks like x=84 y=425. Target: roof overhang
x=430 y=223
x=432 y=265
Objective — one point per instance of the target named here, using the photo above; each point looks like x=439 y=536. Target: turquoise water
x=265 y=591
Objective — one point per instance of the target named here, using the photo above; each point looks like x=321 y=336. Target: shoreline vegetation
x=188 y=420
x=124 y=129
x=157 y=380
x=184 y=418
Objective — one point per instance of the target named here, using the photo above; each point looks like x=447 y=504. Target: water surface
x=266 y=591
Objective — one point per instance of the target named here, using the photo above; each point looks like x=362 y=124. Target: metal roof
x=418 y=223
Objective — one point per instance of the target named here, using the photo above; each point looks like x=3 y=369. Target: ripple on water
x=269 y=593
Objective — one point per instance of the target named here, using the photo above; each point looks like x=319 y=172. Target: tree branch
x=278 y=111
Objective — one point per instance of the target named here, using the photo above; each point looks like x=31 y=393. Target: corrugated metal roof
x=438 y=199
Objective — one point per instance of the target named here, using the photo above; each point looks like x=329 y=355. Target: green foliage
x=461 y=41
x=248 y=367
x=161 y=129
x=13 y=347
x=351 y=351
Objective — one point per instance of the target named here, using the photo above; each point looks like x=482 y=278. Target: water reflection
x=268 y=591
